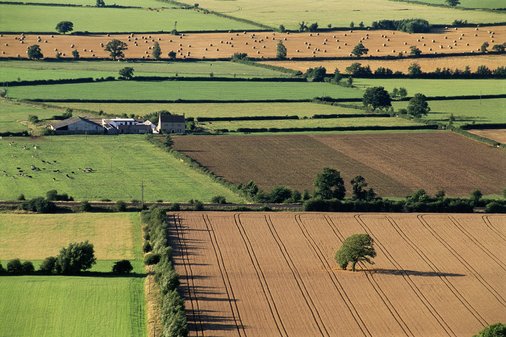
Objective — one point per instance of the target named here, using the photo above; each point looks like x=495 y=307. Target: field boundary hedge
x=336 y=128
x=490 y=126
x=71 y=100
x=21 y=3
x=445 y=6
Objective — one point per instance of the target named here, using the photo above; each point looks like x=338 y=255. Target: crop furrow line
x=190 y=284
x=224 y=276
x=444 y=325
x=298 y=279
x=261 y=277
x=477 y=243
x=374 y=283
x=463 y=261
x=435 y=269
x=486 y=220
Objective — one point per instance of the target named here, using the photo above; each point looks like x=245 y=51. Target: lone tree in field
x=281 y=51
x=76 y=257
x=100 y=3
x=172 y=55
x=414 y=70
x=329 y=184
x=359 y=50
x=64 y=27
x=415 y=51
x=453 y=3
x=157 y=51
x=356 y=248
x=126 y=73
x=34 y=52
x=418 y=106
x=494 y=330
x=75 y=54
x=377 y=98
x=484 y=47
x=116 y=48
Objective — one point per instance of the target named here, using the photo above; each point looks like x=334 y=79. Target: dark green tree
x=122 y=267
x=359 y=50
x=280 y=194
x=15 y=266
x=415 y=51
x=499 y=48
x=27 y=268
x=452 y=3
x=281 y=51
x=49 y=265
x=157 y=51
x=359 y=189
x=414 y=70
x=356 y=248
x=329 y=184
x=100 y=3
x=126 y=73
x=76 y=257
x=64 y=27
x=281 y=29
x=377 y=98
x=116 y=48
x=315 y=74
x=75 y=54
x=172 y=55
x=403 y=92
x=34 y=52
x=418 y=105
x=484 y=47
x=494 y=330
x=476 y=196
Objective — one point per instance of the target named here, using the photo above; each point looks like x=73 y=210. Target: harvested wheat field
x=259 y=44
x=394 y=164
x=274 y=274
x=402 y=65
x=499 y=135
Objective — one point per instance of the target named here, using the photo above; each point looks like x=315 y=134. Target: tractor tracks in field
x=234 y=310
x=440 y=320
x=261 y=277
x=484 y=249
x=298 y=279
x=438 y=272
x=462 y=260
x=190 y=284
x=486 y=220
x=374 y=283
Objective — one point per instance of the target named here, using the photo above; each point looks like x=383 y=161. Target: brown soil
x=499 y=135
x=274 y=274
x=260 y=44
x=394 y=164
x=402 y=65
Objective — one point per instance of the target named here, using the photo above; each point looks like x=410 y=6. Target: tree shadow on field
x=414 y=273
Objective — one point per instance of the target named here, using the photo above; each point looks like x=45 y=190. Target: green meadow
x=437 y=87
x=189 y=90
x=28 y=18
x=14 y=116
x=119 y=165
x=465 y=111
x=39 y=70
x=487 y=4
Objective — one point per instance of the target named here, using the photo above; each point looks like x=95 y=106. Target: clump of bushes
x=73 y=259
x=38 y=205
x=122 y=267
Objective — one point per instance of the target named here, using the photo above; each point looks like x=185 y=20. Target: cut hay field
x=339 y=13
x=465 y=111
x=214 y=109
x=189 y=90
x=394 y=164
x=270 y=274
x=260 y=44
x=310 y=123
x=487 y=4
x=14 y=116
x=499 y=135
x=33 y=70
x=27 y=18
x=133 y=3
x=402 y=65
x=54 y=306
x=437 y=87
x=119 y=163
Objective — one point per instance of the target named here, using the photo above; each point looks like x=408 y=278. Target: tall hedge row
x=172 y=312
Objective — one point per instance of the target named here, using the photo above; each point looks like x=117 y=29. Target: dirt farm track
x=259 y=44
x=273 y=274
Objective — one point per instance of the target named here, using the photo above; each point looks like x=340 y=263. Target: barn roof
x=73 y=120
x=169 y=118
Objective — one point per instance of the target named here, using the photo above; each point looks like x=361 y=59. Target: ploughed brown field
x=274 y=274
x=499 y=135
x=394 y=164
x=402 y=65
x=259 y=44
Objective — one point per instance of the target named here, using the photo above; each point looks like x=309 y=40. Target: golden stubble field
x=259 y=44
x=274 y=274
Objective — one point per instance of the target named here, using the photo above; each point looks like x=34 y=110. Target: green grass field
x=135 y=3
x=61 y=306
x=490 y=4
x=120 y=164
x=310 y=123
x=465 y=111
x=194 y=90
x=25 y=18
x=438 y=87
x=214 y=109
x=340 y=13
x=14 y=116
x=33 y=70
